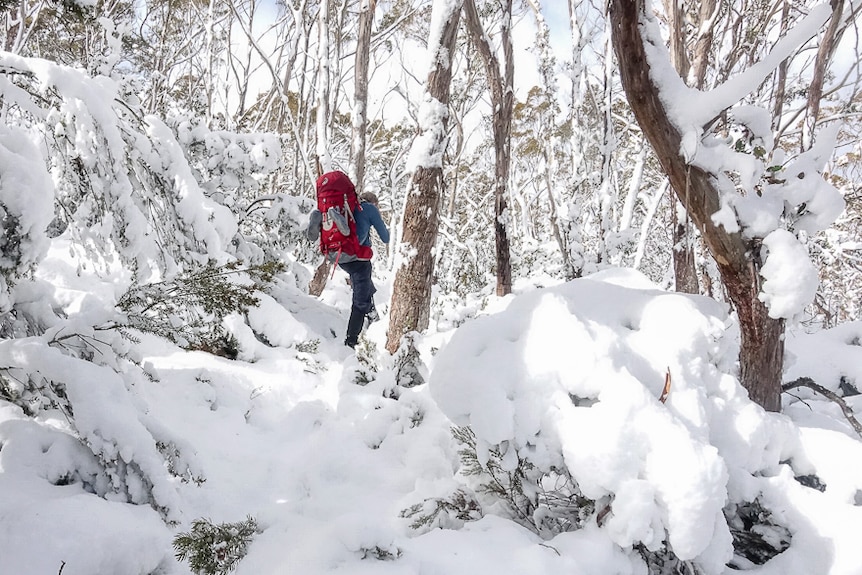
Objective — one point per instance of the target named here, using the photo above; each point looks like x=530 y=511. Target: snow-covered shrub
x=85 y=171
x=121 y=187
x=215 y=549
x=234 y=169
x=189 y=309
x=561 y=394
x=26 y=209
x=366 y=353
x=407 y=363
x=443 y=512
x=546 y=501
x=89 y=399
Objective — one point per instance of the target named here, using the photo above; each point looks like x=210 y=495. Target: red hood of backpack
x=335 y=180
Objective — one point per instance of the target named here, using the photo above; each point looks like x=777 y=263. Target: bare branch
x=828 y=394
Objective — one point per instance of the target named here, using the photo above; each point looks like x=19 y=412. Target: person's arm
x=377 y=221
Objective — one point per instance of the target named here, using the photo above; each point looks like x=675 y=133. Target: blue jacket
x=367 y=217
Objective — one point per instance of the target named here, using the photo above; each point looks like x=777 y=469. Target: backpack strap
x=335 y=263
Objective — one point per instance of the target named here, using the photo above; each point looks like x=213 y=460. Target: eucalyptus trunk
x=502 y=102
x=761 y=355
x=411 y=291
x=360 y=100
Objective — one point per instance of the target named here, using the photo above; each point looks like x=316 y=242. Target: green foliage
x=449 y=512
x=175 y=464
x=305 y=351
x=365 y=354
x=188 y=310
x=312 y=346
x=495 y=480
x=380 y=553
x=665 y=562
x=215 y=549
x=408 y=363
x=548 y=502
x=757 y=536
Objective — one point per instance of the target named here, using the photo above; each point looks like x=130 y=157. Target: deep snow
x=566 y=376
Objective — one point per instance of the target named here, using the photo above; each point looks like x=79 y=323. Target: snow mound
x=573 y=377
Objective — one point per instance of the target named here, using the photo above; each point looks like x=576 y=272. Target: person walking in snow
x=366 y=216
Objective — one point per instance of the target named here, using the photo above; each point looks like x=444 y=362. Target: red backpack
x=337 y=200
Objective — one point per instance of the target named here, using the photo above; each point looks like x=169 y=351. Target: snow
x=790 y=279
x=605 y=391
x=26 y=207
x=794 y=198
x=429 y=146
x=565 y=377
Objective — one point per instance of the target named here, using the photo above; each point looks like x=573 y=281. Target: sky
x=556 y=14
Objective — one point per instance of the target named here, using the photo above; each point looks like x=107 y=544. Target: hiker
x=354 y=227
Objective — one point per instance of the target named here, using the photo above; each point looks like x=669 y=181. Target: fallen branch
x=828 y=394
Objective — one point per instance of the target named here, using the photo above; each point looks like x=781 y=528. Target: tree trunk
x=780 y=81
x=824 y=54
x=323 y=161
x=762 y=346
x=411 y=291
x=360 y=101
x=502 y=102
x=321 y=275
x=323 y=88
x=684 y=269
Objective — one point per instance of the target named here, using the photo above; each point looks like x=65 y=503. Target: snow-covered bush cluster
x=92 y=186
x=629 y=414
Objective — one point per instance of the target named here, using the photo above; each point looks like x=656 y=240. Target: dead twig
x=828 y=394
x=666 y=391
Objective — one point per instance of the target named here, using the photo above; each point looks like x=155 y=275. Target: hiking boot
x=372 y=315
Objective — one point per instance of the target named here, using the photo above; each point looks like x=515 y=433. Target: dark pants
x=363 y=293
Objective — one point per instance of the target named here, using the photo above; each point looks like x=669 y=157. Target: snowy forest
x=619 y=327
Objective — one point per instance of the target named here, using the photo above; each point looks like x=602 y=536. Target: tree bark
x=323 y=88
x=684 y=269
x=684 y=237
x=824 y=54
x=360 y=101
x=411 y=291
x=502 y=102
x=780 y=81
x=762 y=346
x=321 y=275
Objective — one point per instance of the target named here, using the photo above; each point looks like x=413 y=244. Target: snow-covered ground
x=562 y=383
